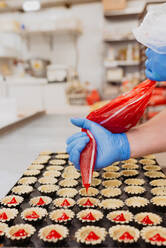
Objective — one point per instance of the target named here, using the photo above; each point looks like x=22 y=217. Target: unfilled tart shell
x=62 y=156
x=91 y=192
x=56 y=214
x=57 y=162
x=46 y=153
x=48 y=188
x=29 y=229
x=70 y=169
x=158 y=182
x=111 y=192
x=67 y=192
x=112 y=183
x=22 y=189
x=130 y=161
x=41 y=159
x=27 y=180
x=44 y=232
x=111 y=204
x=112 y=216
x=149 y=232
x=95 y=174
x=95 y=182
x=47 y=180
x=71 y=175
x=51 y=174
x=154 y=174
x=134 y=190
x=59 y=202
x=3 y=229
x=31 y=172
x=116 y=163
x=156 y=219
x=35 y=201
x=36 y=167
x=55 y=167
x=41 y=212
x=92 y=200
x=150 y=156
x=129 y=173
x=111 y=175
x=152 y=168
x=98 y=215
x=159 y=201
x=136 y=202
x=159 y=191
x=147 y=161
x=134 y=181
x=82 y=234
x=8 y=200
x=112 y=168
x=117 y=231
x=8 y=214
x=68 y=183
x=130 y=166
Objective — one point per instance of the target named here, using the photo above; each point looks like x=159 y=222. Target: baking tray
x=75 y=224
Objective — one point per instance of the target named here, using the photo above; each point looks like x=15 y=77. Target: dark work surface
x=75 y=224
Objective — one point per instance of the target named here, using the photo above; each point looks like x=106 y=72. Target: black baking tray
x=75 y=224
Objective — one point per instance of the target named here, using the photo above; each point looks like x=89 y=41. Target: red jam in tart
x=64 y=216
x=40 y=202
x=65 y=203
x=158 y=238
x=34 y=215
x=53 y=235
x=89 y=217
x=3 y=216
x=20 y=233
x=88 y=203
x=13 y=201
x=126 y=235
x=120 y=217
x=92 y=236
x=147 y=220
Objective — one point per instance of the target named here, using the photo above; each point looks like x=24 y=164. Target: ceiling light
x=31 y=5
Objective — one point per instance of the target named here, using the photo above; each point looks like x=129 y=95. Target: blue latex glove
x=155 y=65
x=110 y=147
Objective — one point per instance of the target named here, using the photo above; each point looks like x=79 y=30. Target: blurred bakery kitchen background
x=63 y=58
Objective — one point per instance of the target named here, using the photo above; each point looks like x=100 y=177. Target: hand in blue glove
x=110 y=147
x=155 y=65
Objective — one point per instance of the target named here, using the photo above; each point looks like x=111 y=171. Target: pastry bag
x=118 y=116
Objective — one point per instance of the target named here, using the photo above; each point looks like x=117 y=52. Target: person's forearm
x=149 y=137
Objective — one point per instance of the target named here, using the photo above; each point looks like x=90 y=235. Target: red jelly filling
x=53 y=235
x=13 y=201
x=65 y=203
x=34 y=215
x=1 y=232
x=3 y=216
x=88 y=203
x=119 y=217
x=40 y=202
x=157 y=237
x=89 y=217
x=92 y=236
x=64 y=216
x=125 y=236
x=147 y=220
x=20 y=233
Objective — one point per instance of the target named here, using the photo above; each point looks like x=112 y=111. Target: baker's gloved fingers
x=74 y=155
x=150 y=75
x=75 y=136
x=84 y=123
x=74 y=158
x=149 y=52
x=148 y=64
x=76 y=141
